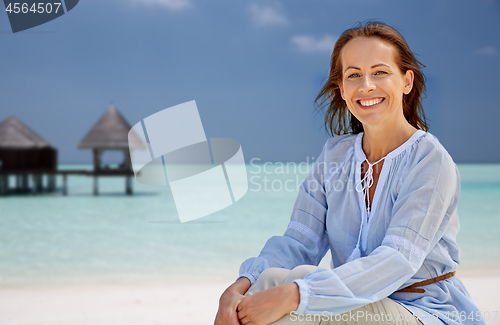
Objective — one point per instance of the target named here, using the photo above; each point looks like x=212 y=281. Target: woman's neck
x=379 y=141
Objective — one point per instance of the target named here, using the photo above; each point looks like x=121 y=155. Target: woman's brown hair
x=338 y=118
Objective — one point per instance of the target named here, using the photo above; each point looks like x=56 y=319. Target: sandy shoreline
x=167 y=302
x=96 y=304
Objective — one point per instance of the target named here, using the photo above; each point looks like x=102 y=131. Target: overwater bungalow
x=110 y=133
x=24 y=153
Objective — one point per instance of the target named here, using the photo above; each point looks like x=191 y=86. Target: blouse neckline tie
x=364 y=185
x=367 y=182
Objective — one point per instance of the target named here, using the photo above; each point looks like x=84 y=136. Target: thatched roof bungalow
x=109 y=133
x=22 y=149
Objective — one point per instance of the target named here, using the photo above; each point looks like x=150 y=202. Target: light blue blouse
x=409 y=235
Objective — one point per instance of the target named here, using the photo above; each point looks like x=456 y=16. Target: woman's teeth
x=370 y=102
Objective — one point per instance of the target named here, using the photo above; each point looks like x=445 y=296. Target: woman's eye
x=380 y=73
x=354 y=75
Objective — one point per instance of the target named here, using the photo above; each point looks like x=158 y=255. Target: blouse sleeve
x=305 y=240
x=427 y=199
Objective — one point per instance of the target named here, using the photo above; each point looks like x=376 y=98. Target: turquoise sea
x=80 y=237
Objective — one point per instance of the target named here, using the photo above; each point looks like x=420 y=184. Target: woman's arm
x=261 y=308
x=268 y=306
x=305 y=240
x=228 y=302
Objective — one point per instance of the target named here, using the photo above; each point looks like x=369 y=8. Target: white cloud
x=311 y=44
x=169 y=4
x=266 y=16
x=487 y=50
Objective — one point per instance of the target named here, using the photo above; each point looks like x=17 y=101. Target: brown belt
x=412 y=287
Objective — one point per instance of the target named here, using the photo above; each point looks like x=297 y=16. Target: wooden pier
x=22 y=177
x=31 y=160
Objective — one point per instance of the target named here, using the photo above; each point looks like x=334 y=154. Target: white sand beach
x=100 y=304
x=485 y=291
x=173 y=302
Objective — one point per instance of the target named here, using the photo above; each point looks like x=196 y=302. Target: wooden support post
x=97 y=159
x=24 y=182
x=65 y=184
x=18 y=182
x=127 y=162
x=51 y=184
x=128 y=185
x=4 y=185
x=96 y=185
x=39 y=183
x=33 y=185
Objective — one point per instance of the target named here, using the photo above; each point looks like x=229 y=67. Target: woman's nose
x=367 y=84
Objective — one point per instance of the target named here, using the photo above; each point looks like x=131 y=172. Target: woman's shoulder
x=340 y=140
x=429 y=146
x=428 y=165
x=339 y=148
x=428 y=154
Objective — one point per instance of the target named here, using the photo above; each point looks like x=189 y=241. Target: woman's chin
x=371 y=122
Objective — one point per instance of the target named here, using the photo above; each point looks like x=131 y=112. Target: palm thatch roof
x=110 y=132
x=16 y=135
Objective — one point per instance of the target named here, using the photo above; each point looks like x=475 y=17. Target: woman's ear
x=408 y=81
x=341 y=88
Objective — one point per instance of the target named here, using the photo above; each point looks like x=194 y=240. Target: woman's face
x=372 y=84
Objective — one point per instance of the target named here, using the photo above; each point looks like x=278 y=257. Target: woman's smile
x=370 y=102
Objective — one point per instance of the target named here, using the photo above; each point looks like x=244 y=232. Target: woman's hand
x=268 y=306
x=228 y=302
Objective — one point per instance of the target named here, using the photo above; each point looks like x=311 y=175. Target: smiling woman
x=373 y=89
x=338 y=119
x=391 y=228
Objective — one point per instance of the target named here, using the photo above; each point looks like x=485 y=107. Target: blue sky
x=253 y=67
